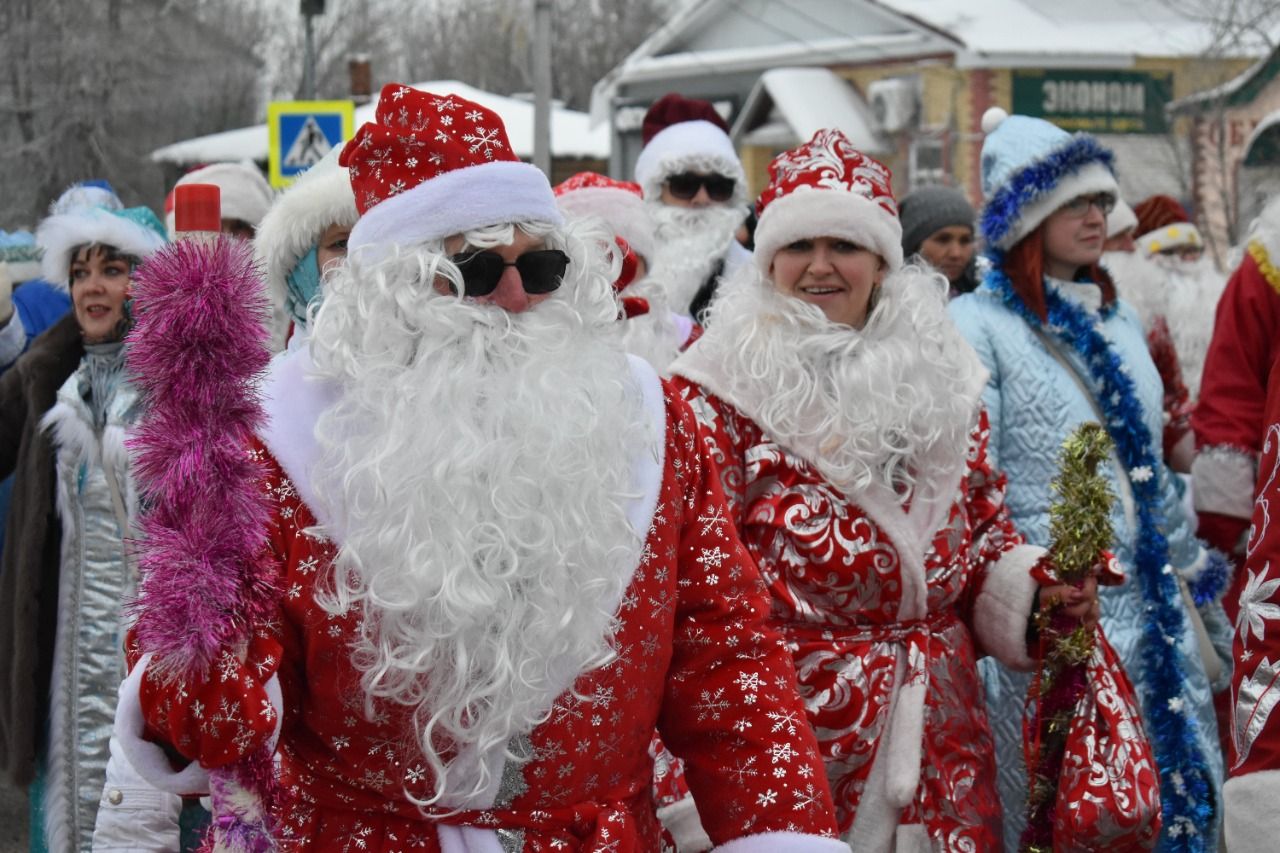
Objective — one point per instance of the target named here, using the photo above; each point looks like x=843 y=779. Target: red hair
x=1024 y=264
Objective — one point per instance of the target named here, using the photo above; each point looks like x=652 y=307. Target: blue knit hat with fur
x=1030 y=168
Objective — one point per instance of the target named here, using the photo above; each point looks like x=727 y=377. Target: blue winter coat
x=1034 y=403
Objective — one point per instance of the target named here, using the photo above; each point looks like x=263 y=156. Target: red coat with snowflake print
x=695 y=660
x=836 y=575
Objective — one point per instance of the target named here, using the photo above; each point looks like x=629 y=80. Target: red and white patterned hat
x=430 y=166
x=619 y=203
x=827 y=188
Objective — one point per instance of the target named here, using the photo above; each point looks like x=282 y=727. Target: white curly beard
x=479 y=462
x=880 y=406
x=1180 y=291
x=688 y=243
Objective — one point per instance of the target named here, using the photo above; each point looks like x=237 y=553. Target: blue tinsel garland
x=1186 y=798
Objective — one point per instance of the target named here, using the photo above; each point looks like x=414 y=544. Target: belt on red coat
x=903 y=744
x=600 y=827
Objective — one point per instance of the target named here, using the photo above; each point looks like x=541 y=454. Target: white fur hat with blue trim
x=133 y=231
x=1030 y=168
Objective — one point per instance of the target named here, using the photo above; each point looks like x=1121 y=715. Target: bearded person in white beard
x=650 y=329
x=695 y=189
x=1156 y=257
x=503 y=554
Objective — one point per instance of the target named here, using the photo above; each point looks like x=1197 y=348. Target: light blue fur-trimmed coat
x=1034 y=404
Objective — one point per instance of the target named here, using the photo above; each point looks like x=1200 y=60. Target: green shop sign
x=1096 y=101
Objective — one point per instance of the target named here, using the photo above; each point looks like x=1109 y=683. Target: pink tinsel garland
x=198 y=346
x=200 y=341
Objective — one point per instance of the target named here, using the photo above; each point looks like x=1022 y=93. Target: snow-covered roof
x=571 y=131
x=788 y=105
x=723 y=36
x=996 y=30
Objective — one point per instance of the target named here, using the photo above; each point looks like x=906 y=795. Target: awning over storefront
x=788 y=105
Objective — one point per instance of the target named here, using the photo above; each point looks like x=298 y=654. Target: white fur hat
x=245 y=194
x=618 y=203
x=134 y=231
x=686 y=135
x=320 y=197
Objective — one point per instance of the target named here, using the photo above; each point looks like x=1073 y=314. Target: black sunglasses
x=540 y=271
x=685 y=186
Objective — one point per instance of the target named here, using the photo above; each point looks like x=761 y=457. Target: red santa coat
x=1251 y=794
x=1228 y=418
x=837 y=574
x=694 y=658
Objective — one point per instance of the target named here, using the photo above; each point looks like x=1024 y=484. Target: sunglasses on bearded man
x=540 y=271
x=685 y=186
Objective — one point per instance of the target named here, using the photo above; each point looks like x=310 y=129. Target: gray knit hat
x=931 y=209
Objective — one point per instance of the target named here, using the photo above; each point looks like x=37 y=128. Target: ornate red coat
x=837 y=570
x=695 y=659
x=1252 y=792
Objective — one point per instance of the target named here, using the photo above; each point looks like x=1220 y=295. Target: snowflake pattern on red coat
x=835 y=581
x=695 y=659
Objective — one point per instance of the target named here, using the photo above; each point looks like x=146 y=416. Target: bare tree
x=486 y=42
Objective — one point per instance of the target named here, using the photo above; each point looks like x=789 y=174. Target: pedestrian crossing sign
x=301 y=132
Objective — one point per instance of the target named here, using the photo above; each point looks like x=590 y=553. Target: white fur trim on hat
x=1120 y=218
x=689 y=146
x=455 y=202
x=1091 y=178
x=58 y=235
x=244 y=192
x=808 y=213
x=321 y=197
x=1176 y=235
x=623 y=211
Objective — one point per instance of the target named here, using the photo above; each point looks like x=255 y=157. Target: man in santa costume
x=1228 y=418
x=696 y=192
x=652 y=330
x=503 y=556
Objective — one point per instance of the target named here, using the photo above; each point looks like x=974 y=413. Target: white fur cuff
x=1252 y=819
x=682 y=821
x=1003 y=607
x=147 y=758
x=1223 y=480
x=783 y=842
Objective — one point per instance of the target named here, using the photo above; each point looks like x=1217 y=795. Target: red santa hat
x=686 y=135
x=1164 y=224
x=619 y=203
x=827 y=188
x=430 y=166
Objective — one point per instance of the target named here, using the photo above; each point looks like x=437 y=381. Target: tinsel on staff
x=200 y=342
x=1080 y=532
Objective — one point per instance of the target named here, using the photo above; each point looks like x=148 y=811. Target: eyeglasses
x=685 y=186
x=1079 y=206
x=540 y=271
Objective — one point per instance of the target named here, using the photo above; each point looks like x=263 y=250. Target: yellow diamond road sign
x=301 y=132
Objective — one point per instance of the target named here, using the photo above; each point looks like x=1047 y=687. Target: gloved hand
x=6 y=293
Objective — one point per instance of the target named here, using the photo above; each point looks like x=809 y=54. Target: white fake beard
x=1181 y=292
x=687 y=243
x=653 y=336
x=479 y=463
x=882 y=405
x=1191 y=297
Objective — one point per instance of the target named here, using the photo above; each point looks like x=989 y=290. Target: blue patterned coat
x=1034 y=404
